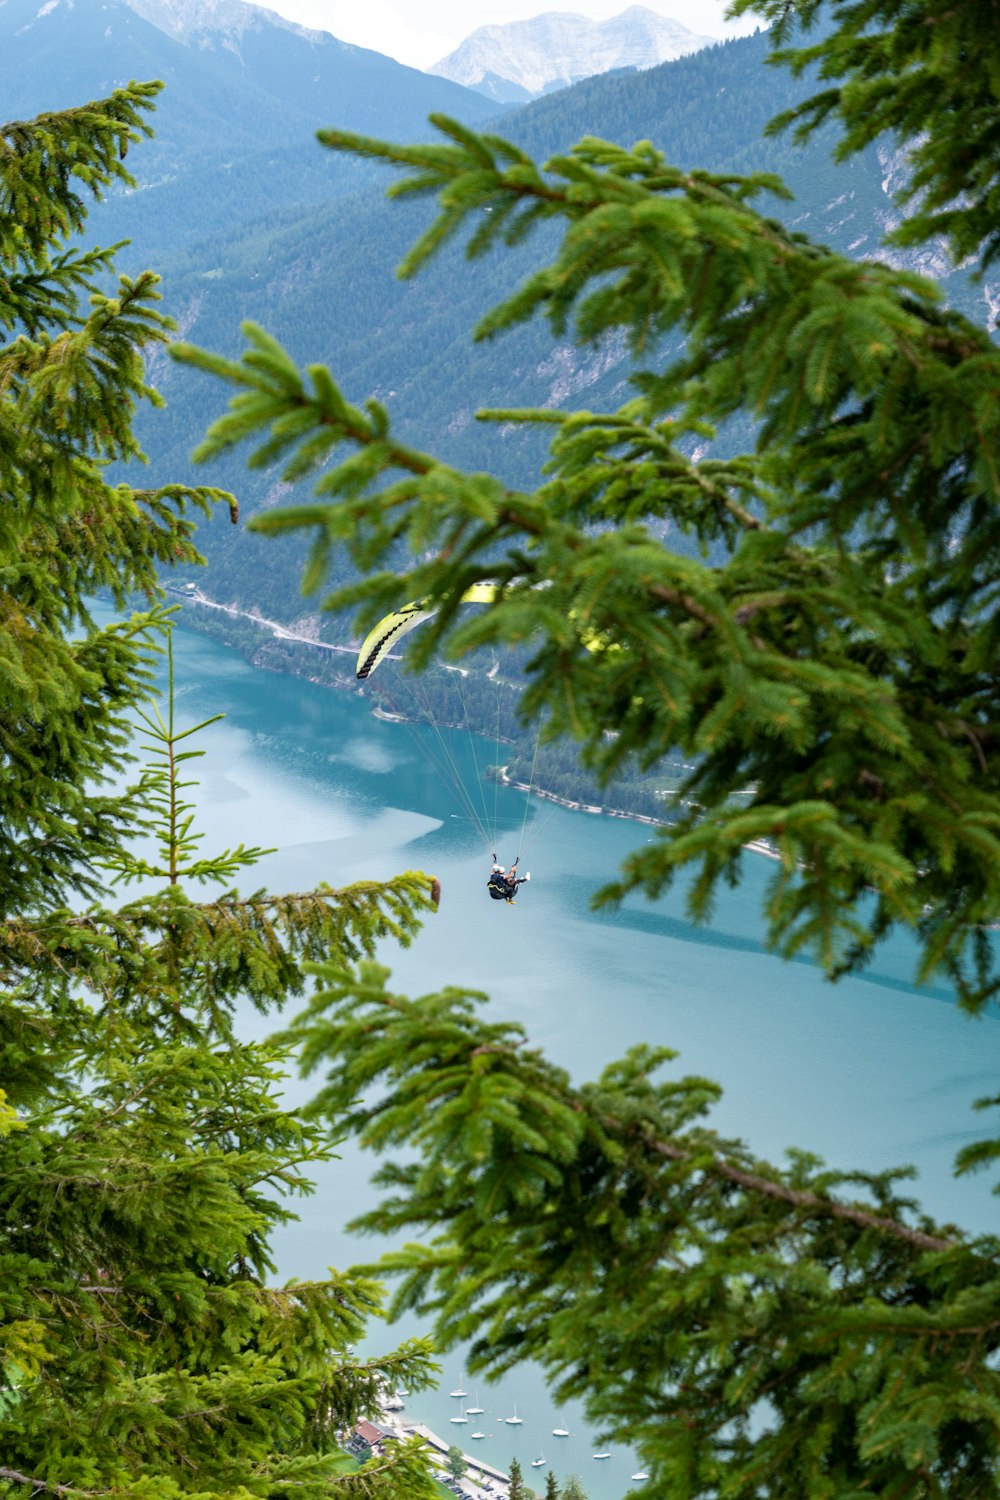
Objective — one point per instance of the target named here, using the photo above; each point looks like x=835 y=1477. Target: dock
x=475 y=1465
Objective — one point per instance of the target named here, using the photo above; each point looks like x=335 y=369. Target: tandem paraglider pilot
x=502 y=885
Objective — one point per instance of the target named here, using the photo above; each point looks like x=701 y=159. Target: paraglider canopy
x=374 y=650
x=379 y=641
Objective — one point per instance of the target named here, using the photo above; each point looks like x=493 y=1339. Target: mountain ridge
x=188 y=20
x=519 y=60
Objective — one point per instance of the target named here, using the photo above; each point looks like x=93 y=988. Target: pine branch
x=43 y=1486
x=809 y=1203
x=473 y=1045
x=657 y=1273
x=40 y=158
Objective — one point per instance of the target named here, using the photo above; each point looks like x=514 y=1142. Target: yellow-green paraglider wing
x=378 y=642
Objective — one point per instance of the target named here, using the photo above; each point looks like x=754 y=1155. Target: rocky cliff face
x=523 y=59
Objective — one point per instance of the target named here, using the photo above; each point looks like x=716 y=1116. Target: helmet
x=499 y=869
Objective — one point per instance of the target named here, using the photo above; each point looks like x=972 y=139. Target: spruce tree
x=517 y=1489
x=146 y=1157
x=551 y=1486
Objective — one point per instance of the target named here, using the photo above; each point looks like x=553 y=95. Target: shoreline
x=486 y=1481
x=284 y=633
x=754 y=846
x=279 y=632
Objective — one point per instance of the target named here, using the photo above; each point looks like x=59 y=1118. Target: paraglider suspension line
x=527 y=797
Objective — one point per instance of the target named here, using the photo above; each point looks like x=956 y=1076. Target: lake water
x=869 y=1073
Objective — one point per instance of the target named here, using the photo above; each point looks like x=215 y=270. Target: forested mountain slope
x=235 y=126
x=325 y=285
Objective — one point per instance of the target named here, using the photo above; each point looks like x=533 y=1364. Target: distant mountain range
x=519 y=61
x=235 y=127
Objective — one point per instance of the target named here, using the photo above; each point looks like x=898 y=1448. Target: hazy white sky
x=419 y=32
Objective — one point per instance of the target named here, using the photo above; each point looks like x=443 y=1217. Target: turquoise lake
x=869 y=1073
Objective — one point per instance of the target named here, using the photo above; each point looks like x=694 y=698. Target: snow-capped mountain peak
x=187 y=20
x=522 y=59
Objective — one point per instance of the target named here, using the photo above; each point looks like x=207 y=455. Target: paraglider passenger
x=502 y=885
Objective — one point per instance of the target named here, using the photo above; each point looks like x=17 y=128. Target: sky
x=419 y=32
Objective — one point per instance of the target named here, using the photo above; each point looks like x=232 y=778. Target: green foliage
x=71 y=381
x=39 y=200
x=821 y=658
x=456 y=1462
x=925 y=76
x=750 y=1329
x=146 y=1154
x=161 y=790
x=136 y=1298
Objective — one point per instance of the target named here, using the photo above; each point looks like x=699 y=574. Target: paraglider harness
x=502 y=886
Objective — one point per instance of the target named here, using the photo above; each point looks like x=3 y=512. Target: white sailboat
x=461 y=1415
x=600 y=1455
x=515 y=1420
x=475 y=1411
x=477 y=1434
x=458 y=1391
x=560 y=1432
x=641 y=1475
x=537 y=1463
